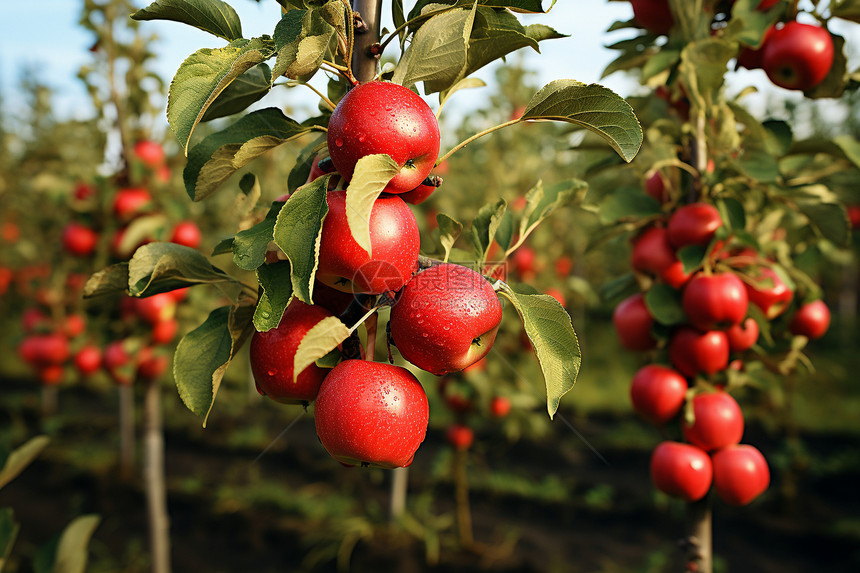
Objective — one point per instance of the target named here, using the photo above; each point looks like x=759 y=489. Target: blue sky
x=45 y=34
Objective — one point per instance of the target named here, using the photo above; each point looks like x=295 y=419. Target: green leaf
x=211 y=16
x=759 y=165
x=438 y=51
x=617 y=289
x=485 y=225
x=220 y=155
x=664 y=304
x=302 y=169
x=204 y=354
x=732 y=213
x=593 y=107
x=21 y=457
x=778 y=137
x=222 y=248
x=834 y=84
x=627 y=202
x=449 y=231
x=298 y=232
x=277 y=292
x=318 y=342
x=249 y=246
x=248 y=88
x=330 y=360
x=372 y=173
x=203 y=76
x=748 y=24
x=660 y=62
x=163 y=267
x=551 y=198
x=505 y=232
x=849 y=146
x=704 y=64
x=399 y=18
x=8 y=533
x=548 y=327
x=71 y=554
x=109 y=280
x=302 y=39
x=691 y=256
x=830 y=219
x=464 y=84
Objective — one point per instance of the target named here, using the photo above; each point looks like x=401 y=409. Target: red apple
x=459 y=436
x=88 y=360
x=164 y=331
x=557 y=295
x=654 y=255
x=423 y=191
x=524 y=262
x=445 y=319
x=693 y=224
x=743 y=336
x=655 y=187
x=681 y=470
x=658 y=393
x=186 y=233
x=740 y=474
x=150 y=153
x=715 y=302
x=33 y=319
x=273 y=353
x=633 y=323
x=854 y=216
x=811 y=320
x=84 y=191
x=500 y=407
x=79 y=240
x=798 y=56
x=769 y=293
x=156 y=308
x=394 y=242
x=718 y=421
x=130 y=202
x=51 y=374
x=371 y=413
x=382 y=117
x=563 y=267
x=653 y=15
x=693 y=352
x=53 y=348
x=151 y=365
x=6 y=276
x=117 y=362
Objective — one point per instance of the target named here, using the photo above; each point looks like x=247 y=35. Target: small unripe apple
x=445 y=319
x=79 y=240
x=394 y=242
x=186 y=233
x=681 y=470
x=693 y=224
x=714 y=302
x=371 y=413
x=273 y=353
x=718 y=421
x=460 y=436
x=658 y=393
x=740 y=474
x=383 y=117
x=743 y=336
x=811 y=320
x=693 y=352
x=633 y=323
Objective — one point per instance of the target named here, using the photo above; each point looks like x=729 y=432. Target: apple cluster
x=723 y=304
x=444 y=317
x=794 y=55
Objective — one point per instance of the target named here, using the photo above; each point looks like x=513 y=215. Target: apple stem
x=126 y=431
x=399 y=487
x=156 y=492
x=698 y=542
x=323 y=97
x=461 y=486
x=370 y=330
x=466 y=142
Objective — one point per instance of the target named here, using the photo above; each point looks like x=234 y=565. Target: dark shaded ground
x=231 y=513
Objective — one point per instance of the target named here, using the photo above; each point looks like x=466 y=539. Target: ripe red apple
x=693 y=352
x=117 y=362
x=500 y=406
x=460 y=436
x=854 y=216
x=563 y=267
x=715 y=302
x=524 y=261
x=164 y=331
x=769 y=293
x=798 y=56
x=74 y=325
x=79 y=239
x=655 y=187
x=382 y=117
x=156 y=308
x=394 y=242
x=186 y=233
x=557 y=295
x=718 y=421
x=445 y=319
x=6 y=276
x=51 y=374
x=129 y=202
x=653 y=15
x=693 y=224
x=371 y=413
x=633 y=323
x=84 y=191
x=743 y=336
x=423 y=191
x=654 y=255
x=811 y=320
x=150 y=153
x=151 y=364
x=681 y=470
x=273 y=352
x=33 y=319
x=88 y=360
x=53 y=348
x=657 y=393
x=740 y=474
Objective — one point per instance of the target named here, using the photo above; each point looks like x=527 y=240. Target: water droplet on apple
x=426 y=335
x=361 y=138
x=272 y=372
x=338 y=142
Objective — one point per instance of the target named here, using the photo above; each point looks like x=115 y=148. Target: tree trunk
x=461 y=491
x=49 y=402
x=126 y=431
x=363 y=64
x=156 y=493
x=699 y=541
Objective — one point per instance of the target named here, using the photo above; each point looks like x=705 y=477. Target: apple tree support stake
x=126 y=431
x=698 y=545
x=156 y=493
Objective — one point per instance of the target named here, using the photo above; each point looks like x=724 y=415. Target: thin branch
x=466 y=142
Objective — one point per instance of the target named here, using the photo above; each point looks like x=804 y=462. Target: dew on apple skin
x=339 y=142
x=361 y=138
x=272 y=372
